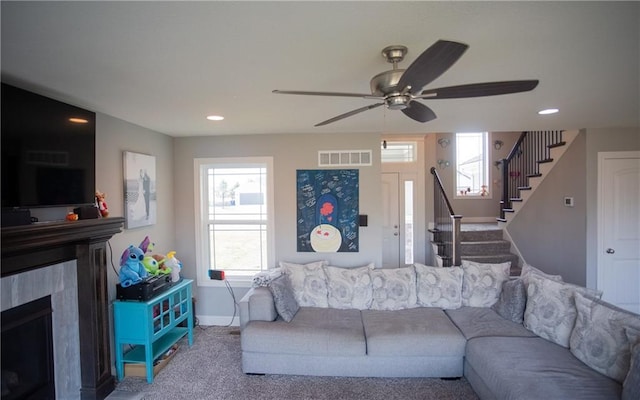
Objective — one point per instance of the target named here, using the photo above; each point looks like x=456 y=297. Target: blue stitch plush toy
x=131 y=269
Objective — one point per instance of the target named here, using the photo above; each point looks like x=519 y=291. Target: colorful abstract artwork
x=327 y=215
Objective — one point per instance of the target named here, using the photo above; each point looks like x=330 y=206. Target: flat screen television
x=48 y=151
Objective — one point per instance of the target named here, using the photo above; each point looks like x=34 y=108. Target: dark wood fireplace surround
x=39 y=245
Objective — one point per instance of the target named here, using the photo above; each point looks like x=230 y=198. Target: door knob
x=395 y=233
x=610 y=251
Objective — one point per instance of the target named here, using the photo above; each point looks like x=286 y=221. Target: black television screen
x=48 y=151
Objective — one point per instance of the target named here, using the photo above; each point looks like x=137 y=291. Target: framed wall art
x=140 y=199
x=327 y=216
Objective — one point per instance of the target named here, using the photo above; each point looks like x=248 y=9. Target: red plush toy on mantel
x=102 y=205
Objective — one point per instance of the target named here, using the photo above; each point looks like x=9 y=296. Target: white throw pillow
x=393 y=288
x=439 y=287
x=599 y=338
x=528 y=270
x=309 y=283
x=551 y=311
x=482 y=283
x=349 y=288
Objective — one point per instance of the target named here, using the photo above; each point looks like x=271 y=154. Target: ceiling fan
x=398 y=89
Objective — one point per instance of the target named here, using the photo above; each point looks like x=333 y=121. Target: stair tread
x=546 y=160
x=534 y=175
x=559 y=144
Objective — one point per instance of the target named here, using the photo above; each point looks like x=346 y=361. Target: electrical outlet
x=216 y=274
x=568 y=201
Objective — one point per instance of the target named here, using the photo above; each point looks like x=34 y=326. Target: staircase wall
x=549 y=235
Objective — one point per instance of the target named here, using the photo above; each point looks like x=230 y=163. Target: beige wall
x=289 y=152
x=474 y=209
x=549 y=235
x=113 y=137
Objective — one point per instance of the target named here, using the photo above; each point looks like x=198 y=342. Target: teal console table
x=151 y=327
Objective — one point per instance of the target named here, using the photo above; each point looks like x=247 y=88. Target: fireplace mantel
x=38 y=245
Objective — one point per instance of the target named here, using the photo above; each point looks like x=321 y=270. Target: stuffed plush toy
x=131 y=269
x=172 y=262
x=155 y=267
x=102 y=205
x=146 y=245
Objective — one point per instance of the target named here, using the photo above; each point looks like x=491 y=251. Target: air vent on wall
x=344 y=158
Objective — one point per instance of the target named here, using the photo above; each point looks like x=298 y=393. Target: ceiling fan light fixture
x=548 y=111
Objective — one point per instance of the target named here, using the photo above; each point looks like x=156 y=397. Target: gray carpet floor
x=211 y=369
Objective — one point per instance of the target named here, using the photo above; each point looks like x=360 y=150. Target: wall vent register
x=344 y=158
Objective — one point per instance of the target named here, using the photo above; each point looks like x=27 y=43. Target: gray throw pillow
x=283 y=297
x=631 y=385
x=512 y=301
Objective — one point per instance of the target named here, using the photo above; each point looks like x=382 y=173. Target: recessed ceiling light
x=78 y=120
x=548 y=111
x=215 y=118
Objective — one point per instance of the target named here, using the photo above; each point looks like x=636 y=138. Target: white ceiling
x=166 y=65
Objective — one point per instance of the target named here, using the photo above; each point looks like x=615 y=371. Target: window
x=234 y=217
x=408 y=222
x=472 y=164
x=398 y=152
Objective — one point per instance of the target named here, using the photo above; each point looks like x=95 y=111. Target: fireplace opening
x=27 y=352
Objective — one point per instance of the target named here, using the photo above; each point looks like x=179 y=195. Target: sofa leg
x=452 y=378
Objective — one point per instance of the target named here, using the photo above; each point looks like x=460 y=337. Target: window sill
x=234 y=281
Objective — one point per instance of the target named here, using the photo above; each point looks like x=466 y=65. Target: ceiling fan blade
x=479 y=89
x=431 y=64
x=339 y=94
x=419 y=112
x=348 y=114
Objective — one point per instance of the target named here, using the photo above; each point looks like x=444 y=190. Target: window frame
x=485 y=166
x=202 y=222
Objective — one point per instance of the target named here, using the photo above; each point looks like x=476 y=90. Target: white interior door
x=391 y=221
x=619 y=228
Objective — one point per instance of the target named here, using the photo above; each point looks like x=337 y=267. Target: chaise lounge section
x=472 y=321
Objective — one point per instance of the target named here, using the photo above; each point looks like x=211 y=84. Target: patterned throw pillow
x=631 y=384
x=528 y=270
x=393 y=289
x=349 y=288
x=283 y=297
x=482 y=283
x=309 y=283
x=599 y=338
x=262 y=279
x=512 y=301
x=439 y=287
x=551 y=310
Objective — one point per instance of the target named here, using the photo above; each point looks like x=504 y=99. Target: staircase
x=480 y=242
x=484 y=243
x=529 y=162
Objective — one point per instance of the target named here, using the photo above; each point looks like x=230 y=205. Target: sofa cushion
x=551 y=310
x=393 y=288
x=312 y=331
x=599 y=338
x=482 y=283
x=349 y=287
x=309 y=283
x=512 y=301
x=533 y=368
x=412 y=332
x=283 y=297
x=439 y=287
x=631 y=384
x=480 y=321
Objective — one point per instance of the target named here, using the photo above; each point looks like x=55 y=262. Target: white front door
x=619 y=228
x=390 y=221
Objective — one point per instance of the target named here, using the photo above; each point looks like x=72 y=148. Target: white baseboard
x=217 y=320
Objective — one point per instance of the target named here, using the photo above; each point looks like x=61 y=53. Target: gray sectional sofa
x=510 y=338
